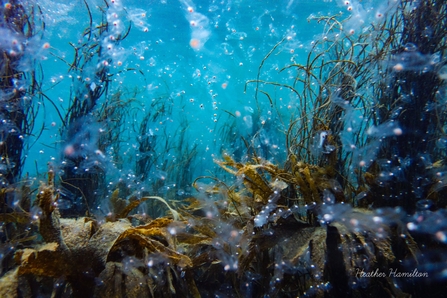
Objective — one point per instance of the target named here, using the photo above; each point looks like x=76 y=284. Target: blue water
x=188 y=83
x=204 y=81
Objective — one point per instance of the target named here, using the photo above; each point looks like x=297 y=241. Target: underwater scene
x=223 y=148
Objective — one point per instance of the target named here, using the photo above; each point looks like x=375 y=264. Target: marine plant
x=163 y=164
x=357 y=193
x=19 y=83
x=85 y=129
x=20 y=95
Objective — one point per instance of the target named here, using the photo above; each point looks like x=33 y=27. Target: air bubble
x=423 y=205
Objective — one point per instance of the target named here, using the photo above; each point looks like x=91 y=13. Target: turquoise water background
x=203 y=82
x=191 y=67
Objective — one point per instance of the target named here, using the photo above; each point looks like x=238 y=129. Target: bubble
x=411 y=226
x=195 y=44
x=227 y=49
x=327 y=217
x=441 y=236
x=410 y=47
x=138 y=18
x=397 y=131
x=422 y=205
x=441 y=143
x=159 y=174
x=328 y=197
x=199 y=25
x=248 y=121
x=260 y=220
x=36 y=213
x=398 y=67
x=411 y=60
x=442 y=73
x=10 y=42
x=385 y=129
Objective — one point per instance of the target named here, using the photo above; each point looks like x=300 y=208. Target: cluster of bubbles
x=202 y=87
x=199 y=25
x=363 y=14
x=353 y=123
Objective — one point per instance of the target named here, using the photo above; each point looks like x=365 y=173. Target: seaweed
x=319 y=223
x=17 y=86
x=81 y=250
x=84 y=170
x=154 y=165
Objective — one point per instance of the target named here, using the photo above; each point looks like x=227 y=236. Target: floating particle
x=69 y=150
x=411 y=226
x=441 y=236
x=327 y=217
x=398 y=67
x=194 y=43
x=397 y=131
x=423 y=205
